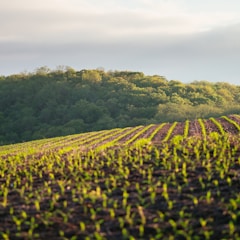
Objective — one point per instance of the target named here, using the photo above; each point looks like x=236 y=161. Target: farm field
x=176 y=180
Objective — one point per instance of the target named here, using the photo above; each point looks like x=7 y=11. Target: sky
x=183 y=40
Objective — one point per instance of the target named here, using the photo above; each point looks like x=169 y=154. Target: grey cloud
x=45 y=25
x=211 y=55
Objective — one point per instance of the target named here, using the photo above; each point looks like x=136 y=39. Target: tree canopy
x=64 y=101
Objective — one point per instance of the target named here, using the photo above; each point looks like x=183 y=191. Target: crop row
x=185 y=189
x=158 y=132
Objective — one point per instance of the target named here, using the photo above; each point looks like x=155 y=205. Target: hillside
x=50 y=103
x=160 y=181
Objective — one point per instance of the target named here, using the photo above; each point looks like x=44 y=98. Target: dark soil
x=187 y=193
x=228 y=127
x=179 y=129
x=194 y=129
x=216 y=210
x=161 y=133
x=210 y=126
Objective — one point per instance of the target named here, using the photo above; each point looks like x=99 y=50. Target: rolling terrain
x=46 y=104
x=160 y=181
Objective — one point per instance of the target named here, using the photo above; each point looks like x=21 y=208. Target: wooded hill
x=50 y=103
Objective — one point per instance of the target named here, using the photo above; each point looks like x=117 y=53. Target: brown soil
x=217 y=210
x=228 y=127
x=147 y=133
x=179 y=129
x=194 y=129
x=210 y=126
x=128 y=136
x=236 y=118
x=161 y=133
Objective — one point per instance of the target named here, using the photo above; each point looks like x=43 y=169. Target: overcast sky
x=183 y=40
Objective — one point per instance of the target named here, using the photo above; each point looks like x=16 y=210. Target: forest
x=64 y=101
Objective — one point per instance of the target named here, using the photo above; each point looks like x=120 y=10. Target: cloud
x=169 y=37
x=69 y=21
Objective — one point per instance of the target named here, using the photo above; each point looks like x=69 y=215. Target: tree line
x=49 y=103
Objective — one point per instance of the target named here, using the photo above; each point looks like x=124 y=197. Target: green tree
x=91 y=76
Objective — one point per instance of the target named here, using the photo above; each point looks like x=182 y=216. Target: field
x=162 y=181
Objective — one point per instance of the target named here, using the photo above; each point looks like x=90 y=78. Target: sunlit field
x=176 y=180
